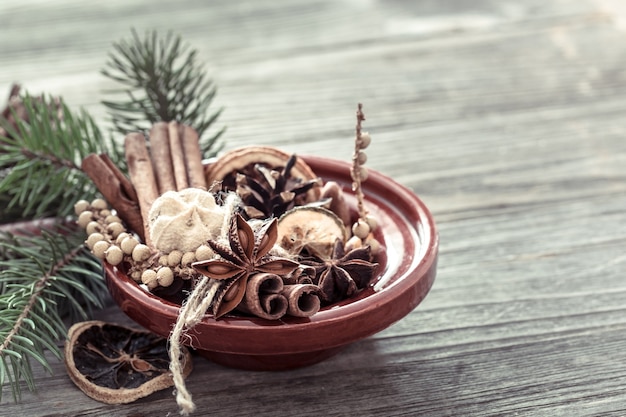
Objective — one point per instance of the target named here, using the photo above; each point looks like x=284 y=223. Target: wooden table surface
x=508 y=118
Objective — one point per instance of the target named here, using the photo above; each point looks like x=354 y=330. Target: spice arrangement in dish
x=254 y=240
x=272 y=237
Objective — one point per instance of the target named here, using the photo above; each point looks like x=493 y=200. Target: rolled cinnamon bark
x=178 y=157
x=303 y=299
x=127 y=186
x=263 y=298
x=193 y=157
x=303 y=274
x=115 y=188
x=142 y=176
x=161 y=160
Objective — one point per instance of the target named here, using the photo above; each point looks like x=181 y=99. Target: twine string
x=191 y=312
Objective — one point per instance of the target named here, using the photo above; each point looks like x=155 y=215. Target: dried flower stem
x=355 y=171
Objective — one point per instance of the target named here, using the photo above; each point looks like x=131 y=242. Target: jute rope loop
x=190 y=314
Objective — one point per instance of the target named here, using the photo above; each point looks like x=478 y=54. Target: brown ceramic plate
x=410 y=237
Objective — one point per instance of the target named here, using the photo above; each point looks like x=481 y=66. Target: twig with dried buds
x=362 y=229
x=358 y=172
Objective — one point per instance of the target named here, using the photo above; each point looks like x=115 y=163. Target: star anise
x=245 y=254
x=343 y=274
x=269 y=192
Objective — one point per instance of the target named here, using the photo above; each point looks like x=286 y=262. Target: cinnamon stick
x=303 y=299
x=110 y=182
x=161 y=160
x=263 y=298
x=303 y=274
x=127 y=186
x=178 y=157
x=142 y=176
x=193 y=157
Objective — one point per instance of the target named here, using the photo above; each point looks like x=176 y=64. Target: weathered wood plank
x=505 y=117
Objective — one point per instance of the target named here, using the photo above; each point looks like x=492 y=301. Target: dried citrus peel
x=315 y=229
x=117 y=365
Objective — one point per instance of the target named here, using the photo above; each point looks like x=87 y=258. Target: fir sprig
x=48 y=276
x=163 y=81
x=40 y=160
x=43 y=278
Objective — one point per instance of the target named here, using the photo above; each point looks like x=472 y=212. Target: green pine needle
x=40 y=171
x=162 y=81
x=43 y=279
x=50 y=277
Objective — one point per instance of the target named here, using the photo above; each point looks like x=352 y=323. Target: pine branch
x=162 y=81
x=42 y=279
x=47 y=277
x=40 y=159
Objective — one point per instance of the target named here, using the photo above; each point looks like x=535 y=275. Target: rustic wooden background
x=506 y=117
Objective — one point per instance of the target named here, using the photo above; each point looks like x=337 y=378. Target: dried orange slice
x=117 y=365
x=315 y=229
x=237 y=159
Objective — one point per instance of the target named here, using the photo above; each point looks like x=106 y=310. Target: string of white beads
x=109 y=241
